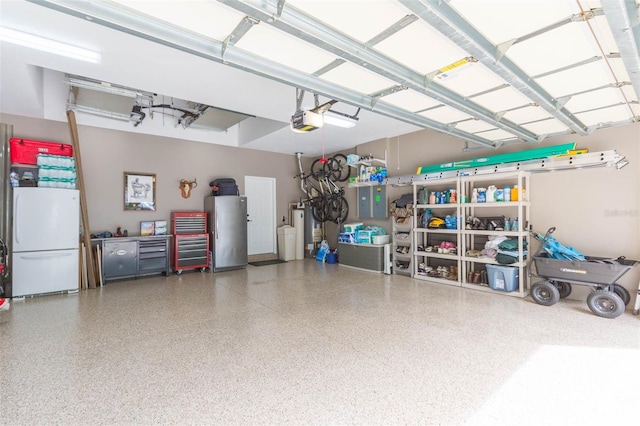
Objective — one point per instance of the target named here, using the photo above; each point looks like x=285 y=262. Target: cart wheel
x=564 y=288
x=545 y=293
x=179 y=272
x=636 y=311
x=203 y=269
x=606 y=304
x=623 y=293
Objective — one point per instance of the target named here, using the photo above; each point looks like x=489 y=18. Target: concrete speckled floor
x=312 y=343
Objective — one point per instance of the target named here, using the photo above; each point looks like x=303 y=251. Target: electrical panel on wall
x=372 y=202
x=364 y=201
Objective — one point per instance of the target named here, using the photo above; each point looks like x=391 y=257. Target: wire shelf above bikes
x=355 y=160
x=371 y=171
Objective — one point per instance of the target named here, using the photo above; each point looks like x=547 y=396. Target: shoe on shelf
x=4 y=304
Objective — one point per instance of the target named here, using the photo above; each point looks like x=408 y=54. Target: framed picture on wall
x=139 y=191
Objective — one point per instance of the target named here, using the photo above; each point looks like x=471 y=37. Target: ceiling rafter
x=442 y=17
x=126 y=20
x=622 y=16
x=577 y=17
x=568 y=67
x=240 y=30
x=307 y=28
x=402 y=23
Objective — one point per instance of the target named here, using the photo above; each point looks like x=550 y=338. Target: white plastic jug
x=491 y=194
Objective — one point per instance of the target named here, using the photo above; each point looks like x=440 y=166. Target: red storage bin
x=25 y=151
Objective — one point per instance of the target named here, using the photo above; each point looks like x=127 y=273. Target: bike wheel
x=318 y=166
x=340 y=170
x=338 y=209
x=319 y=209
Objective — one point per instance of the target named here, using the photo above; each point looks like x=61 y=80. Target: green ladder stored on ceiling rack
x=559 y=162
x=511 y=157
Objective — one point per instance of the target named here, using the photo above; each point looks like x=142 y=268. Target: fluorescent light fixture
x=101 y=86
x=47 y=45
x=339 y=119
x=101 y=113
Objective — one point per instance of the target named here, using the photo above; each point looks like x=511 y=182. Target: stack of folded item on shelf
x=508 y=251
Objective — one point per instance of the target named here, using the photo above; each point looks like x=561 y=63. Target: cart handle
x=540 y=237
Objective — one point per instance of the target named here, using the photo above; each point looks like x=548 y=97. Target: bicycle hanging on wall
x=321 y=189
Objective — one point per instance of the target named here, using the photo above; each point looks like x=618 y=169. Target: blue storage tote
x=503 y=278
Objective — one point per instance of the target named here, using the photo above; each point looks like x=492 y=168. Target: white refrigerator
x=46 y=228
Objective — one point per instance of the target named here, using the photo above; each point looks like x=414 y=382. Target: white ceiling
x=537 y=67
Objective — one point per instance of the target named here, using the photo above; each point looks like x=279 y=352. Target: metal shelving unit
x=427 y=261
x=474 y=239
x=428 y=264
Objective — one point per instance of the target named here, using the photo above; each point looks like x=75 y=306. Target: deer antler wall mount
x=186 y=186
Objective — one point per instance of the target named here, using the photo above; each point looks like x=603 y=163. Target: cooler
x=287 y=243
x=25 y=151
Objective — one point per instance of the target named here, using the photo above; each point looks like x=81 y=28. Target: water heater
x=312 y=234
x=298 y=223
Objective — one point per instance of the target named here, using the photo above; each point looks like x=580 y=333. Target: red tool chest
x=25 y=151
x=190 y=241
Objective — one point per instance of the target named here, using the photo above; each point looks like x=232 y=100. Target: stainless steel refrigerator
x=227 y=225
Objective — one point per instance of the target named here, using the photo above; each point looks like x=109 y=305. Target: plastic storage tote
x=503 y=278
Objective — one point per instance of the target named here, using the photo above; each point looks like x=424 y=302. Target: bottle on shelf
x=474 y=195
x=422 y=196
x=491 y=194
x=482 y=195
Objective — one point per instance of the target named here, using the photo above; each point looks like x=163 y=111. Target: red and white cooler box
x=25 y=151
x=42 y=164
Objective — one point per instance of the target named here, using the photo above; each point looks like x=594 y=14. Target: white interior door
x=261 y=209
